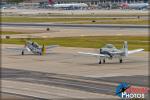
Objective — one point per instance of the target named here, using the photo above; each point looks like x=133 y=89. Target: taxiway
x=63 y=73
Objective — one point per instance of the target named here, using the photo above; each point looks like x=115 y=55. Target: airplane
x=109 y=51
x=69 y=6
x=33 y=47
x=139 y=6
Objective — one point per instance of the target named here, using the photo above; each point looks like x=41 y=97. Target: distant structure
x=92 y=4
x=89 y=2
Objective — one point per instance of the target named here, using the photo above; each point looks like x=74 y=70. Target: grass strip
x=77 y=20
x=88 y=41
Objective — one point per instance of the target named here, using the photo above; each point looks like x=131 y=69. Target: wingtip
x=142 y=49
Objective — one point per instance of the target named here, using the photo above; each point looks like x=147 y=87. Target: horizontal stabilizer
x=51 y=46
x=135 y=51
x=17 y=49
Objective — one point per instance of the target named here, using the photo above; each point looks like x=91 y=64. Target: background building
x=90 y=2
x=108 y=4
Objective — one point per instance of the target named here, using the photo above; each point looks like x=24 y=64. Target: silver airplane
x=109 y=51
x=34 y=48
x=67 y=6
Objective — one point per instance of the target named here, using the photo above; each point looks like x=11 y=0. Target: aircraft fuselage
x=34 y=48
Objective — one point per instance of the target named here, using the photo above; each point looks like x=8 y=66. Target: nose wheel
x=22 y=52
x=100 y=62
x=104 y=61
x=40 y=53
x=120 y=60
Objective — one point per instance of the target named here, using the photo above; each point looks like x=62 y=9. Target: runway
x=62 y=73
x=75 y=25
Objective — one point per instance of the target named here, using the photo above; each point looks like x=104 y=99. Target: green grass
x=34 y=19
x=10 y=32
x=117 y=21
x=88 y=42
x=76 y=20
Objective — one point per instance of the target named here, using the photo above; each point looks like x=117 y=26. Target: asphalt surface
x=63 y=68
x=13 y=96
x=52 y=79
x=68 y=81
x=75 y=25
x=138 y=80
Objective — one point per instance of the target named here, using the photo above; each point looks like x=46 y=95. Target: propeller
x=43 y=49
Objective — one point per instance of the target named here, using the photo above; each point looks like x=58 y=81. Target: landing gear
x=100 y=62
x=22 y=52
x=120 y=60
x=104 y=61
x=40 y=53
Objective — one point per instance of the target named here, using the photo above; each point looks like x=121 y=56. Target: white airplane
x=109 y=51
x=33 y=47
x=138 y=6
x=69 y=6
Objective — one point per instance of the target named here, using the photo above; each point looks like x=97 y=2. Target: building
x=86 y=1
x=90 y=2
x=96 y=2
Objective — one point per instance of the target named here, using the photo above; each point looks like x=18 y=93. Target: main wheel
x=40 y=53
x=100 y=62
x=103 y=60
x=120 y=60
x=22 y=52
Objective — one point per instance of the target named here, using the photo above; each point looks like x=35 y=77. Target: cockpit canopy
x=109 y=46
x=35 y=44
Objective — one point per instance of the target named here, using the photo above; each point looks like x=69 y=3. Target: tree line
x=14 y=1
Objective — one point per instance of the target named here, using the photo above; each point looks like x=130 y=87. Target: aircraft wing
x=135 y=51
x=51 y=46
x=93 y=54
x=18 y=49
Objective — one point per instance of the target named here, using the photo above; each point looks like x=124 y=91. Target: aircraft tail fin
x=125 y=48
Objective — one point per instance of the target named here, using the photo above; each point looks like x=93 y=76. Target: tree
x=14 y=1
